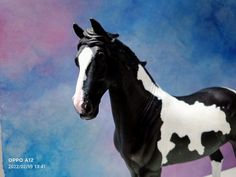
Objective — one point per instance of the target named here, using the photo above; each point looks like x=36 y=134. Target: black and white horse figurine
x=152 y=128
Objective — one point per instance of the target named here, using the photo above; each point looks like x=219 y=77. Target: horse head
x=94 y=75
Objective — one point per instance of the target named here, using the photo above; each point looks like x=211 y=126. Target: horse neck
x=128 y=96
x=132 y=104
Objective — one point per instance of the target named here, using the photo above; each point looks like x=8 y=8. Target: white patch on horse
x=216 y=168
x=183 y=119
x=84 y=59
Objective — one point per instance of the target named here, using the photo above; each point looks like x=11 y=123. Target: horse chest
x=137 y=150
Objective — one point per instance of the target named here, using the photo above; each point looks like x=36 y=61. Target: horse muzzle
x=85 y=109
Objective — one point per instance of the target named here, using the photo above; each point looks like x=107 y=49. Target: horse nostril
x=87 y=107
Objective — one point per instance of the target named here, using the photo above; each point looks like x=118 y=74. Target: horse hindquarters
x=217 y=158
x=233 y=129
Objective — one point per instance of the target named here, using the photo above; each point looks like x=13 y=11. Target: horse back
x=223 y=98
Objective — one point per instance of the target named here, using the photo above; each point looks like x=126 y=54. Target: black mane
x=91 y=38
x=124 y=54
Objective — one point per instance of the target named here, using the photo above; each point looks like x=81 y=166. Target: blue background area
x=188 y=45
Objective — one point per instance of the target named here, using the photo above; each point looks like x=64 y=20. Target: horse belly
x=191 y=123
x=211 y=141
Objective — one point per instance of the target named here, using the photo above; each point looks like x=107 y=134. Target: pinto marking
x=179 y=116
x=84 y=59
x=216 y=168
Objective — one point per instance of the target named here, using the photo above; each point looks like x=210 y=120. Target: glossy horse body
x=152 y=127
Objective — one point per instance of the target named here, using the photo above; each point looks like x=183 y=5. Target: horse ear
x=98 y=29
x=78 y=30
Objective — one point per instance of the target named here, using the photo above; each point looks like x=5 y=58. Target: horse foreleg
x=132 y=173
x=216 y=163
x=151 y=173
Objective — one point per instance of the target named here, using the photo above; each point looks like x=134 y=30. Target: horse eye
x=100 y=54
x=76 y=62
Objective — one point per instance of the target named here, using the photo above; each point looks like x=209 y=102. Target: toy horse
x=152 y=128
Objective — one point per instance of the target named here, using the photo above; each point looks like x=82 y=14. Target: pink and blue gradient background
x=188 y=45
